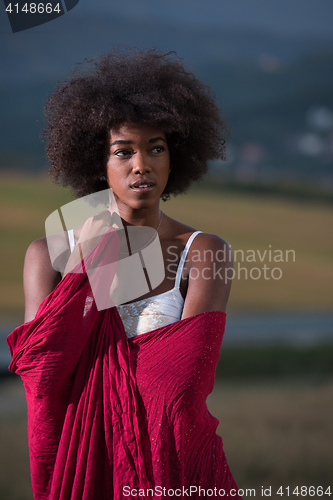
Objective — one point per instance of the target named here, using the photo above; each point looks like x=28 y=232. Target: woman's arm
x=210 y=269
x=39 y=277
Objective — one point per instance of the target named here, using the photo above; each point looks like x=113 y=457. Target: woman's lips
x=142 y=187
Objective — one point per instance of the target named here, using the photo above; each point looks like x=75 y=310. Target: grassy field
x=276 y=433
x=275 y=361
x=254 y=223
x=247 y=222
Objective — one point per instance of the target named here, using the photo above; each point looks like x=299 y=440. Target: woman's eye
x=123 y=152
x=158 y=149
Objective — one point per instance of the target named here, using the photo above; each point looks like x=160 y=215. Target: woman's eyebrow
x=122 y=141
x=157 y=139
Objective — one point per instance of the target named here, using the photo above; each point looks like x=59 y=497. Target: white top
x=149 y=314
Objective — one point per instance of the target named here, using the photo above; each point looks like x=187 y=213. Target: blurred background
x=270 y=64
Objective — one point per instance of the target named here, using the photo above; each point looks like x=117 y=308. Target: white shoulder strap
x=71 y=239
x=183 y=258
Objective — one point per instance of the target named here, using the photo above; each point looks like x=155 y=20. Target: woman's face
x=138 y=166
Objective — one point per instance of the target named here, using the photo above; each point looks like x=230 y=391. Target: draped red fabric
x=112 y=418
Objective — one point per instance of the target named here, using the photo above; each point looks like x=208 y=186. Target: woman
x=116 y=397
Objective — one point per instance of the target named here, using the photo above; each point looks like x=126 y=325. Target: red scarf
x=110 y=418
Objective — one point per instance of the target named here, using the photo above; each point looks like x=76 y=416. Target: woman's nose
x=140 y=163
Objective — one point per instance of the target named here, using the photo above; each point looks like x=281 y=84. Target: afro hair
x=131 y=85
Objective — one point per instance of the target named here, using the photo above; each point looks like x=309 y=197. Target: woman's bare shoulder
x=37 y=254
x=203 y=241
x=46 y=251
x=176 y=230
x=209 y=271
x=39 y=276
x=207 y=241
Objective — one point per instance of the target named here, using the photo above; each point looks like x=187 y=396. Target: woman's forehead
x=136 y=131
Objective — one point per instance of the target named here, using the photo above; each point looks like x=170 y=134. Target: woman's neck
x=150 y=218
